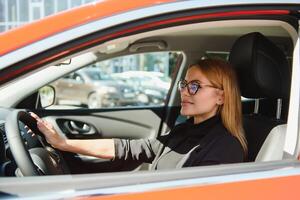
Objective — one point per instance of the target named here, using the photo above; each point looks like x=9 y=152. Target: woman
x=213 y=134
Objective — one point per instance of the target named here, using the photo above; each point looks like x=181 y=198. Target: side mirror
x=47 y=96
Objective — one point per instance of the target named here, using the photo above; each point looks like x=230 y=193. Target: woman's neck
x=200 y=118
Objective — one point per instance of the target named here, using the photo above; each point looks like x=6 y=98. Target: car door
x=134 y=119
x=113 y=49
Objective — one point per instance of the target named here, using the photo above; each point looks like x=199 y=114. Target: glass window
x=49 y=7
x=2 y=11
x=89 y=1
x=75 y=3
x=134 y=80
x=12 y=10
x=62 y=5
x=24 y=11
x=36 y=13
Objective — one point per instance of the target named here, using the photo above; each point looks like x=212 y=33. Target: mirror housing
x=47 y=96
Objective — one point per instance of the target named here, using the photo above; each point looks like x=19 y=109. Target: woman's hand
x=101 y=148
x=52 y=137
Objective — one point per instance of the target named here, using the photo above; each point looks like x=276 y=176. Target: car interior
x=263 y=73
x=259 y=49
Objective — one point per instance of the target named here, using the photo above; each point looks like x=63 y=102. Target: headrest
x=261 y=67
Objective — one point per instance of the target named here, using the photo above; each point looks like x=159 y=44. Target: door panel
x=113 y=123
x=133 y=124
x=130 y=123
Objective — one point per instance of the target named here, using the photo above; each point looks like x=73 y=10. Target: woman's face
x=204 y=104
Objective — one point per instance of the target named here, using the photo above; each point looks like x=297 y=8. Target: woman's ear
x=220 y=100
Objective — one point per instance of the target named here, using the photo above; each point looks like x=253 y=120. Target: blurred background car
x=92 y=88
x=154 y=85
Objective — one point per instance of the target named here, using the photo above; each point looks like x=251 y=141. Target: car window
x=132 y=80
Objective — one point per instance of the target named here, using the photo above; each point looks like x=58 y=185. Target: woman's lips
x=185 y=103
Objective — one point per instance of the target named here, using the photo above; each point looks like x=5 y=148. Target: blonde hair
x=222 y=75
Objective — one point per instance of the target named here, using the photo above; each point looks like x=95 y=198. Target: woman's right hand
x=52 y=137
x=101 y=148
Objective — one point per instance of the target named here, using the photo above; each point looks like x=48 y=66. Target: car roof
x=94 y=29
x=63 y=21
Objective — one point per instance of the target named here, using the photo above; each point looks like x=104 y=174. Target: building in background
x=14 y=13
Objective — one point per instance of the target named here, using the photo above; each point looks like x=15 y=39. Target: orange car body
x=273 y=188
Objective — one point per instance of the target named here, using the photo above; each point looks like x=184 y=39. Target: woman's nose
x=184 y=92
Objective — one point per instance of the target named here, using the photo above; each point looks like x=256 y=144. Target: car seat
x=264 y=75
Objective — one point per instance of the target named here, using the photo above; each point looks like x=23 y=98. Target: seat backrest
x=263 y=73
x=273 y=145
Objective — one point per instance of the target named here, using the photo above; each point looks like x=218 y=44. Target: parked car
x=91 y=87
x=154 y=85
x=262 y=41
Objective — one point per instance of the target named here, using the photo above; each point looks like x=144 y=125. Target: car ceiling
x=209 y=36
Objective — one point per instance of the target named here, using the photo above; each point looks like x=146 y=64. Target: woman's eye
x=194 y=86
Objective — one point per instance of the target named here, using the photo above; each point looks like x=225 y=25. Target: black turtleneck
x=188 y=144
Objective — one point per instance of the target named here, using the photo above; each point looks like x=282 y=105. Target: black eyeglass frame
x=184 y=84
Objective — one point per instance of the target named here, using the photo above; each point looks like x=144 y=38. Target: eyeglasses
x=192 y=87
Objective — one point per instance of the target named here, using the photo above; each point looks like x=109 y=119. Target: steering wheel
x=36 y=161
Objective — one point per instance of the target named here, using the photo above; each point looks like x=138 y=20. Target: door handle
x=83 y=128
x=79 y=128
